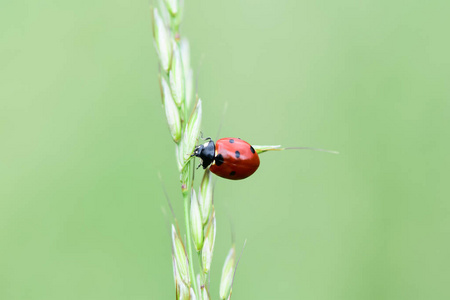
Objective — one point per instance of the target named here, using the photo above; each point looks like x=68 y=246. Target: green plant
x=176 y=80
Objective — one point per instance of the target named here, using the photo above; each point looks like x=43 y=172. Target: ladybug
x=230 y=158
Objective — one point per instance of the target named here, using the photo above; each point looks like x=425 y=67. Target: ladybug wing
x=234 y=159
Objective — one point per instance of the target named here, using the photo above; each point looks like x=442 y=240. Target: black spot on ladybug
x=219 y=159
x=232 y=173
x=231 y=141
x=251 y=149
x=237 y=154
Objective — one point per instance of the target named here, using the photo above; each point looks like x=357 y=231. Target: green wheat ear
x=176 y=82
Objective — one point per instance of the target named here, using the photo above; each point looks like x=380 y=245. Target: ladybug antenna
x=202 y=138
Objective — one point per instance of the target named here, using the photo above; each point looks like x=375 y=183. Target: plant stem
x=189 y=241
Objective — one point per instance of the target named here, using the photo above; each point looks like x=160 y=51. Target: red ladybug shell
x=234 y=159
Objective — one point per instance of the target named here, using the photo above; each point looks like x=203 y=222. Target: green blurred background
x=83 y=136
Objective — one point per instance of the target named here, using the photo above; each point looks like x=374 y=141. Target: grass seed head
x=180 y=257
x=185 y=53
x=205 y=294
x=264 y=148
x=186 y=179
x=175 y=273
x=183 y=292
x=193 y=297
x=196 y=222
x=172 y=114
x=227 y=274
x=179 y=156
x=188 y=73
x=208 y=244
x=164 y=11
x=191 y=131
x=176 y=76
x=163 y=41
x=206 y=196
x=173 y=6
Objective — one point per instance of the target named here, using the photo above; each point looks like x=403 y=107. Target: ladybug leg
x=199 y=165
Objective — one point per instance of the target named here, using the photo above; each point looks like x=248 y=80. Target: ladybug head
x=206 y=153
